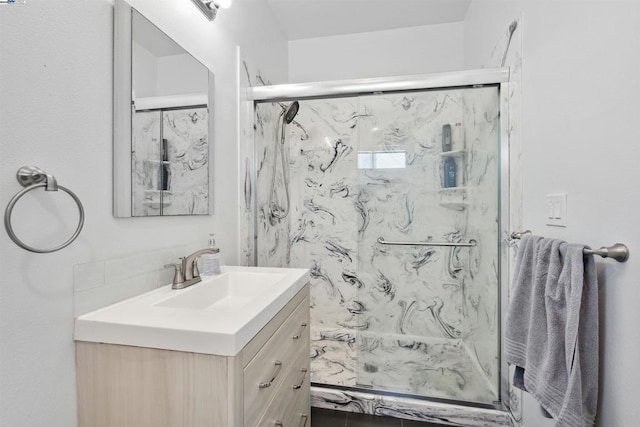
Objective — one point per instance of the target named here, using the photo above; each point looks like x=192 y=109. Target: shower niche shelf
x=164 y=162
x=456 y=159
x=455 y=206
x=454 y=198
x=454 y=153
x=155 y=199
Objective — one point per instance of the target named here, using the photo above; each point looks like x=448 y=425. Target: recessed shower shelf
x=454 y=198
x=456 y=206
x=157 y=205
x=454 y=153
x=453 y=190
x=164 y=162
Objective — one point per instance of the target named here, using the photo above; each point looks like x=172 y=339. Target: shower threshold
x=437 y=411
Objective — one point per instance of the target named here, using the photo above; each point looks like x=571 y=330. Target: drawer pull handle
x=303 y=421
x=304 y=374
x=302 y=326
x=276 y=371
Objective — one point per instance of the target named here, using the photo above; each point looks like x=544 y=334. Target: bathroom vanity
x=232 y=350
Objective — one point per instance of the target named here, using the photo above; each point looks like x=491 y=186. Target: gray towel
x=552 y=328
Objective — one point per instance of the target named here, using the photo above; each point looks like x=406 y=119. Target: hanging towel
x=552 y=328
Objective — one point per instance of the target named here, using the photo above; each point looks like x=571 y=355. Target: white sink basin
x=219 y=315
x=228 y=291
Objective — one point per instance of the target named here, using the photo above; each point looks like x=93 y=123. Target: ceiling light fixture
x=210 y=7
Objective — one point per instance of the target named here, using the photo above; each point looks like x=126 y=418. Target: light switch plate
x=557 y=210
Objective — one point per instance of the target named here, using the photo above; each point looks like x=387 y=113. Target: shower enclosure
x=392 y=199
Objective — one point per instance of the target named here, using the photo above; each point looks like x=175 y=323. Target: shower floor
x=429 y=367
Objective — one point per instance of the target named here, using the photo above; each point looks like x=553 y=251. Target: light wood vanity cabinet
x=266 y=384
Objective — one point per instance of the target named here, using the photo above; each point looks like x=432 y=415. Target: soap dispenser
x=450 y=173
x=211 y=262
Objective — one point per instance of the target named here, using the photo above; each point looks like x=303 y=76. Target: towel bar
x=618 y=251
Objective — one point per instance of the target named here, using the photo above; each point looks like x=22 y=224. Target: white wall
x=414 y=50
x=580 y=136
x=144 y=72
x=180 y=74
x=55 y=112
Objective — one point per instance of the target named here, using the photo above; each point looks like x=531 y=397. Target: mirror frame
x=122 y=110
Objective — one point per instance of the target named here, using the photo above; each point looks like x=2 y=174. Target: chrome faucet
x=189 y=266
x=186 y=272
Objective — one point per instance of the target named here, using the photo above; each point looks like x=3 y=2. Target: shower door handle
x=471 y=243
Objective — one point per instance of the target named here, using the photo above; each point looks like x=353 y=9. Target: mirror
x=163 y=122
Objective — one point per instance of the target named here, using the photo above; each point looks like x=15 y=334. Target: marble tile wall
x=146 y=179
x=251 y=128
x=326 y=224
x=398 y=318
x=174 y=181
x=273 y=197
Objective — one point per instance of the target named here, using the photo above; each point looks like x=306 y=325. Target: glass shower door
x=428 y=173
x=405 y=167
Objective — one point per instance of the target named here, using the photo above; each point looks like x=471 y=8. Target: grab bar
x=468 y=244
x=617 y=251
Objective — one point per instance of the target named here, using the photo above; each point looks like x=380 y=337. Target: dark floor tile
x=328 y=418
x=363 y=420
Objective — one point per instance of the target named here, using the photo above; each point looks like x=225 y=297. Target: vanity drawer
x=275 y=362
x=291 y=406
x=300 y=414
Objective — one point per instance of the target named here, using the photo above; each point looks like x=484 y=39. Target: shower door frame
x=499 y=77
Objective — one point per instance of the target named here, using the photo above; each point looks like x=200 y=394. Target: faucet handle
x=178 y=276
x=196 y=272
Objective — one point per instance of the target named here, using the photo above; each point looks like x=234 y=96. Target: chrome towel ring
x=32 y=177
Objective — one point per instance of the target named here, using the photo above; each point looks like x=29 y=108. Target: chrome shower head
x=291 y=112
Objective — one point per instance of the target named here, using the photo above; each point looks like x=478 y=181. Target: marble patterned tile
x=333 y=357
x=361 y=168
x=186 y=133
x=145 y=160
x=434 y=367
x=273 y=244
x=175 y=182
x=407 y=408
x=251 y=124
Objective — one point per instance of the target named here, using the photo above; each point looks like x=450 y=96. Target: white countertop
x=183 y=320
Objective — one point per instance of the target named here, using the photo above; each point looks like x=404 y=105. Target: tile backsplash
x=97 y=284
